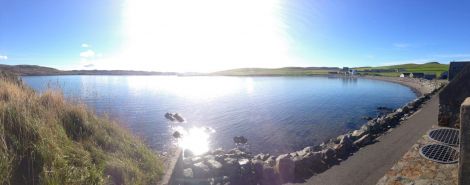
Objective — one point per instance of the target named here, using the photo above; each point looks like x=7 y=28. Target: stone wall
x=452 y=97
x=455 y=68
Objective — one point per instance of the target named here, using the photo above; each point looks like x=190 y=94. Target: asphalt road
x=370 y=163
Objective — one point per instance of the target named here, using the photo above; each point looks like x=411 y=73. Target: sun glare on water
x=203 y=35
x=195 y=139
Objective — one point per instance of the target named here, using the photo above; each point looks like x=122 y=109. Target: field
x=428 y=68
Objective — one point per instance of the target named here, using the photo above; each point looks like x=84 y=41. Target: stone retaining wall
x=452 y=97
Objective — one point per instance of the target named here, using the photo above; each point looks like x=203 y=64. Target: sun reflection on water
x=195 y=139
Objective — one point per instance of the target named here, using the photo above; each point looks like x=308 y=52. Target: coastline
x=242 y=167
x=419 y=86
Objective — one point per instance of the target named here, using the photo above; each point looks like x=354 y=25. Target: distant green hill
x=285 y=71
x=35 y=70
x=396 y=70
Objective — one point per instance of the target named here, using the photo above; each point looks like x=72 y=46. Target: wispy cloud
x=401 y=45
x=87 y=54
x=3 y=57
x=89 y=65
x=84 y=45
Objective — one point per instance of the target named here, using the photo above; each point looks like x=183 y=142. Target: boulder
x=308 y=149
x=247 y=175
x=214 y=165
x=240 y=140
x=359 y=133
x=344 y=148
x=262 y=156
x=196 y=159
x=271 y=161
x=405 y=109
x=231 y=167
x=367 y=118
x=317 y=163
x=364 y=140
x=374 y=127
x=328 y=154
x=187 y=153
x=188 y=173
x=176 y=134
x=285 y=167
x=258 y=168
x=269 y=177
x=303 y=166
x=218 y=151
x=201 y=170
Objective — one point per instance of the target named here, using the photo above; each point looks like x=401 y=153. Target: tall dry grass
x=47 y=140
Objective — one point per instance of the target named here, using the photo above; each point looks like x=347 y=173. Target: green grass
x=429 y=68
x=47 y=140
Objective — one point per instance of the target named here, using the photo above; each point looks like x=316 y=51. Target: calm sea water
x=276 y=114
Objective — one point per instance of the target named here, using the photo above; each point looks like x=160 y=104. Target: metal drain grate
x=447 y=136
x=440 y=153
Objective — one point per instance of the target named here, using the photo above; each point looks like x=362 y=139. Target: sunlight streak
x=203 y=36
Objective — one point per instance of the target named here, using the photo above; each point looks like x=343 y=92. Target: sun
x=203 y=35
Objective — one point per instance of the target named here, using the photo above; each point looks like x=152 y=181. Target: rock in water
x=178 y=117
x=169 y=116
x=240 y=140
x=177 y=134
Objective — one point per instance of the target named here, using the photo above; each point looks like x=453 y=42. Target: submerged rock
x=178 y=117
x=169 y=116
x=240 y=140
x=176 y=134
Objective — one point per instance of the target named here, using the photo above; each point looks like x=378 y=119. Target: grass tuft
x=47 y=140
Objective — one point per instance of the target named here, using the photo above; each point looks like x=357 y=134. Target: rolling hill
x=285 y=71
x=396 y=70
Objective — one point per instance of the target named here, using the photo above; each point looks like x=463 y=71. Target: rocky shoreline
x=237 y=166
x=417 y=85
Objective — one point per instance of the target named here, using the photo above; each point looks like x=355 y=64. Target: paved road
x=370 y=163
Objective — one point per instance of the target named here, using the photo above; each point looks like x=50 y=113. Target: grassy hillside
x=34 y=70
x=29 y=69
x=286 y=71
x=432 y=67
x=46 y=140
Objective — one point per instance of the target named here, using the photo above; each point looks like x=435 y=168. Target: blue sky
x=210 y=35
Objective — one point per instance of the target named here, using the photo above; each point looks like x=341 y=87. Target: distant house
x=403 y=75
x=455 y=68
x=352 y=72
x=430 y=76
x=417 y=75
